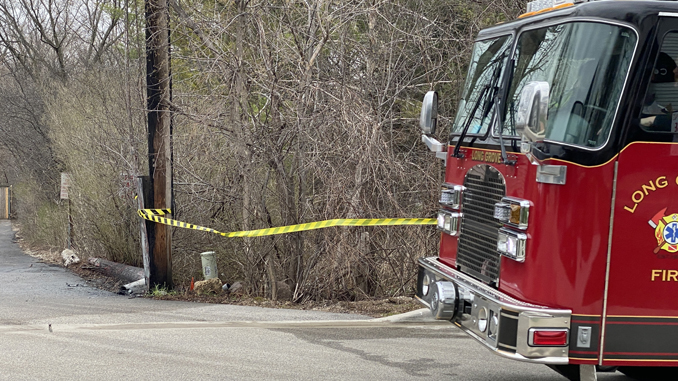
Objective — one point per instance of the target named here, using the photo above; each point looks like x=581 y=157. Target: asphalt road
x=97 y=335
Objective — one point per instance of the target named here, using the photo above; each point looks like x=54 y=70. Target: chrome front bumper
x=495 y=319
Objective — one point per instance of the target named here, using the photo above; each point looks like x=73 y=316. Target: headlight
x=449 y=222
x=511 y=244
x=482 y=319
x=513 y=211
x=425 y=285
x=494 y=326
x=451 y=195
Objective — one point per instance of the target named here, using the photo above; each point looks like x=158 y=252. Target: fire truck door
x=640 y=323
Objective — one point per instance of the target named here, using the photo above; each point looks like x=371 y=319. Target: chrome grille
x=477 y=252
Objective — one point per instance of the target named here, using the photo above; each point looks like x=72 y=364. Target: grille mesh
x=477 y=253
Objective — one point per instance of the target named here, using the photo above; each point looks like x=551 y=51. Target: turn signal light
x=548 y=337
x=513 y=211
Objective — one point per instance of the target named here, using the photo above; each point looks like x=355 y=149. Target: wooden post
x=158 y=91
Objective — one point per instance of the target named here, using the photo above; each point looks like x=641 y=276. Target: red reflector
x=549 y=338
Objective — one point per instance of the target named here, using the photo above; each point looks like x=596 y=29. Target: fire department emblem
x=665 y=231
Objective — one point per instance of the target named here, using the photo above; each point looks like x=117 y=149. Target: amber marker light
x=514 y=217
x=513 y=211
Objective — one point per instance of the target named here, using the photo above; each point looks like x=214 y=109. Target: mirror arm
x=502 y=111
x=504 y=156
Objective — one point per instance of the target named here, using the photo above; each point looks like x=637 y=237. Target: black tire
x=606 y=368
x=650 y=373
x=571 y=372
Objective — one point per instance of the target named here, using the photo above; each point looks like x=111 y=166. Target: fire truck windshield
x=585 y=65
x=488 y=57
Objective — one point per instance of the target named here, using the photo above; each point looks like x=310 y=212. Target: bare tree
x=285 y=112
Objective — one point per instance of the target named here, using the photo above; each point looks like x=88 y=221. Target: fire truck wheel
x=647 y=373
x=606 y=369
x=571 y=372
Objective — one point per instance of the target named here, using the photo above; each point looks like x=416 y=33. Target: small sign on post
x=65 y=184
x=209 y=265
x=63 y=194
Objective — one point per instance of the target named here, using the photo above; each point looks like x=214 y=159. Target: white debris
x=69 y=257
x=135 y=288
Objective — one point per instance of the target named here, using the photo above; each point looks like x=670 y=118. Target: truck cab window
x=586 y=76
x=659 y=114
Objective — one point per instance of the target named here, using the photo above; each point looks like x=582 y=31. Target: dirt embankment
x=373 y=308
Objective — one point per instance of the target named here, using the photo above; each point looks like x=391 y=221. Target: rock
x=236 y=289
x=210 y=286
x=69 y=257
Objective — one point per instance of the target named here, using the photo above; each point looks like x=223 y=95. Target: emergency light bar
x=540 y=6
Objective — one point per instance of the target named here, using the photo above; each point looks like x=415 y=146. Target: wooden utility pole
x=159 y=93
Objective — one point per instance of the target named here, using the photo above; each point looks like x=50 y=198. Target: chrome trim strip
x=607 y=265
x=508 y=317
x=668 y=14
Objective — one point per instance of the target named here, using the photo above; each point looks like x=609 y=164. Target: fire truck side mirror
x=532 y=111
x=429 y=113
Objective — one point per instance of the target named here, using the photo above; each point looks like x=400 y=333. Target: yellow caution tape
x=155 y=216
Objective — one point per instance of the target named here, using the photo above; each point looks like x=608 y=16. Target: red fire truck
x=559 y=210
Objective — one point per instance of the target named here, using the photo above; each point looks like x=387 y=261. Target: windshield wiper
x=500 y=110
x=489 y=102
x=470 y=119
